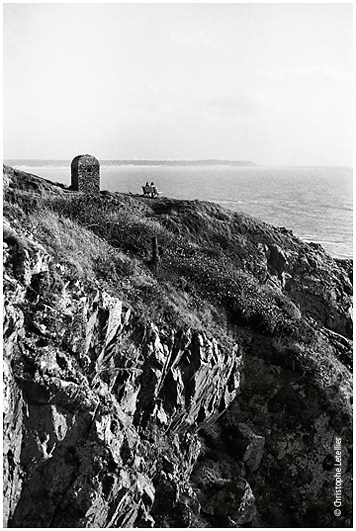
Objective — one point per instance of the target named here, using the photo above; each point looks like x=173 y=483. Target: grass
x=209 y=274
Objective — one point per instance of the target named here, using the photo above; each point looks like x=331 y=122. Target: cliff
x=201 y=384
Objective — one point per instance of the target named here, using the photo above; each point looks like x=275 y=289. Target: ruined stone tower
x=85 y=174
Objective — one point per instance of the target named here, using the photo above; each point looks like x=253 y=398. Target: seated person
x=154 y=191
x=147 y=190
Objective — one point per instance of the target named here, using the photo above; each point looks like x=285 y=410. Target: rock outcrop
x=114 y=418
x=83 y=381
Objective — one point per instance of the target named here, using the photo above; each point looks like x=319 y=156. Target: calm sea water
x=316 y=203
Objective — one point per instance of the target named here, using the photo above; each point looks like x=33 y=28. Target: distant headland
x=202 y=162
x=133 y=162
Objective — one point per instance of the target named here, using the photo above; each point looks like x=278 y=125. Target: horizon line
x=5 y=160
x=280 y=165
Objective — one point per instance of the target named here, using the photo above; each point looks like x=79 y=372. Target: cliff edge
x=170 y=364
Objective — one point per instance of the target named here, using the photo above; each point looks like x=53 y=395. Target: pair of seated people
x=149 y=190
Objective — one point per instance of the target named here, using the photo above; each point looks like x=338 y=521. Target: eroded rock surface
x=98 y=409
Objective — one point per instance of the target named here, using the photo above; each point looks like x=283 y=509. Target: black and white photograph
x=177 y=265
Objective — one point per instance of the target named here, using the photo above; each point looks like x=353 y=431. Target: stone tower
x=85 y=174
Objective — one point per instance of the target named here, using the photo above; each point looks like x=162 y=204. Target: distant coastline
x=134 y=162
x=202 y=162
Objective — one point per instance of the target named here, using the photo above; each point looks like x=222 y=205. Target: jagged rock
x=83 y=409
x=254 y=449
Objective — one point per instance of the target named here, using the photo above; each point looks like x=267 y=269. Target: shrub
x=18 y=248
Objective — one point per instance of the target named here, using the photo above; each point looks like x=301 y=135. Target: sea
x=315 y=202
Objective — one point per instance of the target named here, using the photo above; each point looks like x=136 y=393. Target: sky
x=270 y=83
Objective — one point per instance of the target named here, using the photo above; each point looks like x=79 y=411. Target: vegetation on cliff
x=225 y=299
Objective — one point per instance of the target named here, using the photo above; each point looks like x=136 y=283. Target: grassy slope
x=209 y=268
x=211 y=274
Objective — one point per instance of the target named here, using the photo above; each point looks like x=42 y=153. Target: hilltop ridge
x=198 y=382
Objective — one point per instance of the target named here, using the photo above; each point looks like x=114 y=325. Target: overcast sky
x=271 y=83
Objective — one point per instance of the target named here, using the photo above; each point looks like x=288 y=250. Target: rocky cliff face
x=100 y=411
x=113 y=420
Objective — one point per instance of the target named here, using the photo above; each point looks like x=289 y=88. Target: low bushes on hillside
x=204 y=253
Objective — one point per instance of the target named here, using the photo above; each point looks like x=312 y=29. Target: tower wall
x=85 y=174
